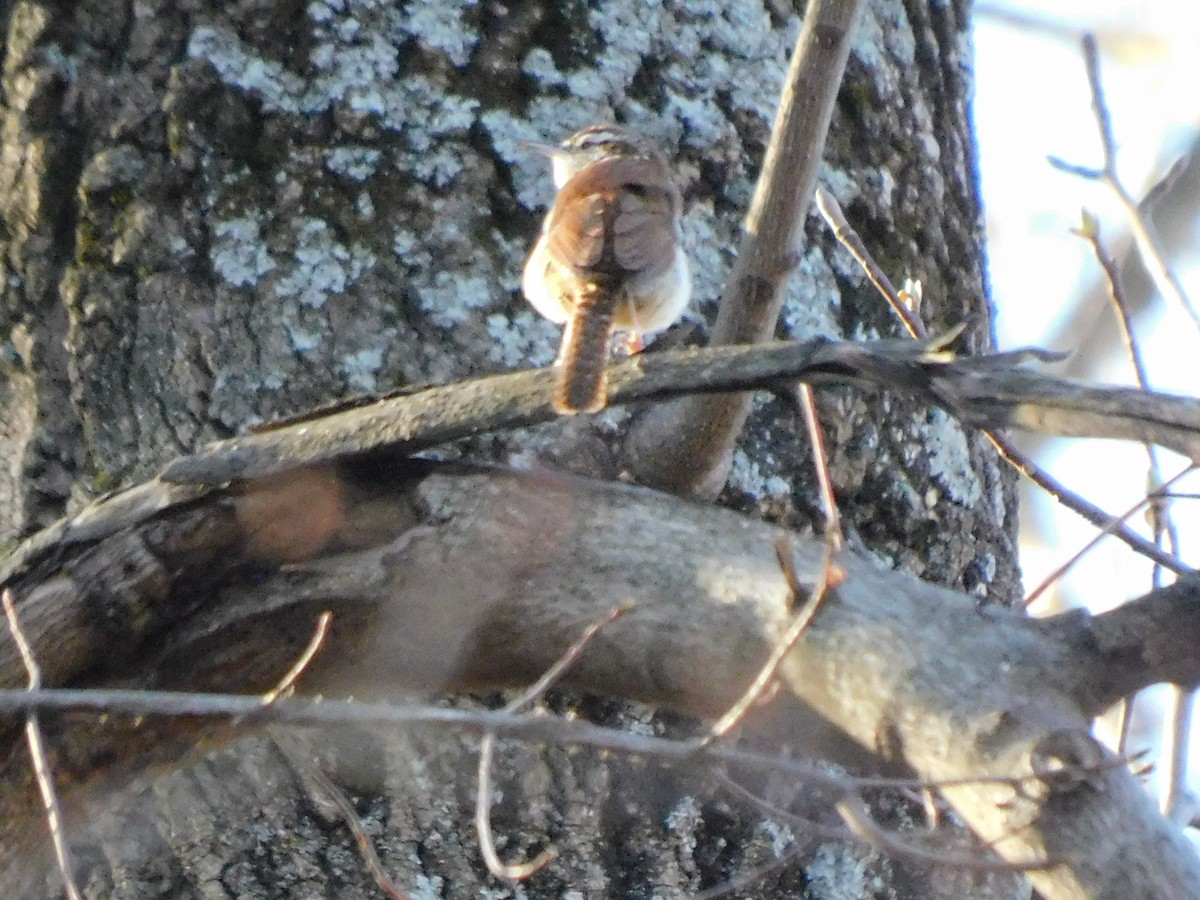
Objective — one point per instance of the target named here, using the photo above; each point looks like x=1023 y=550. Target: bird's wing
x=616 y=219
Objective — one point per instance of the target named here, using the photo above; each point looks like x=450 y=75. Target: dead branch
x=988 y=391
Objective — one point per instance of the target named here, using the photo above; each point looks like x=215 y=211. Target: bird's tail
x=582 y=382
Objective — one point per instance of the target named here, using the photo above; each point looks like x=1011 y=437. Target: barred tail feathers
x=582 y=383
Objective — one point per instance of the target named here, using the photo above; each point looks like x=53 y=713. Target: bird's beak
x=548 y=150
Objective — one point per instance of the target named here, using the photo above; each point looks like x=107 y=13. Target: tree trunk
x=216 y=214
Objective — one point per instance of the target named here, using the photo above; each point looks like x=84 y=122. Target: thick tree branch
x=450 y=578
x=1146 y=641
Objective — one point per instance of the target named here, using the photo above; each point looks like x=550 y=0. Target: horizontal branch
x=989 y=391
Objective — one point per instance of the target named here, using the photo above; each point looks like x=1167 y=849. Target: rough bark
x=219 y=213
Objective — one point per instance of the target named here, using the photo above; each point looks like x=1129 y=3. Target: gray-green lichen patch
x=683 y=820
x=238 y=253
x=883 y=38
x=322 y=265
x=443 y=27
x=317 y=264
x=782 y=837
x=524 y=339
x=236 y=64
x=357 y=163
x=950 y=459
x=810 y=308
x=755 y=478
x=362 y=366
x=842 y=872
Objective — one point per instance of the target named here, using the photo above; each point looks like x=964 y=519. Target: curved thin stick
x=37 y=752
x=487 y=748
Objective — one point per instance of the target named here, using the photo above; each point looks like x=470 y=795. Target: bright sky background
x=1032 y=101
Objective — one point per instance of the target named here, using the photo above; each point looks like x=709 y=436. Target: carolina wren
x=609 y=255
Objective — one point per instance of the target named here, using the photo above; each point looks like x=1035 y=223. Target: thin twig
x=831 y=211
x=323 y=713
x=483 y=823
x=857 y=819
x=37 y=751
x=804 y=399
x=1085 y=509
x=1090 y=232
x=320 y=787
x=1124 y=725
x=933 y=814
x=686 y=446
x=1176 y=802
x=288 y=682
x=1144 y=235
x=849 y=238
x=1161 y=522
x=323 y=791
x=1079 y=554
x=759 y=872
x=1178 y=719
x=551 y=676
x=487 y=749
x=746 y=879
x=830 y=576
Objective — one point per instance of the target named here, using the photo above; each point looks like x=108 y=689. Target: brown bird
x=609 y=255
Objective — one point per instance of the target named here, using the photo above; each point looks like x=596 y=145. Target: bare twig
x=1159 y=510
x=320 y=787
x=831 y=211
x=1089 y=230
x=1124 y=725
x=487 y=748
x=1178 y=720
x=330 y=796
x=686 y=446
x=933 y=813
x=766 y=675
x=746 y=879
x=988 y=391
x=288 y=682
x=1087 y=510
x=759 y=872
x=37 y=751
x=524 y=727
x=803 y=399
x=483 y=823
x=1176 y=803
x=857 y=818
x=551 y=676
x=911 y=320
x=1079 y=554
x=1144 y=236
